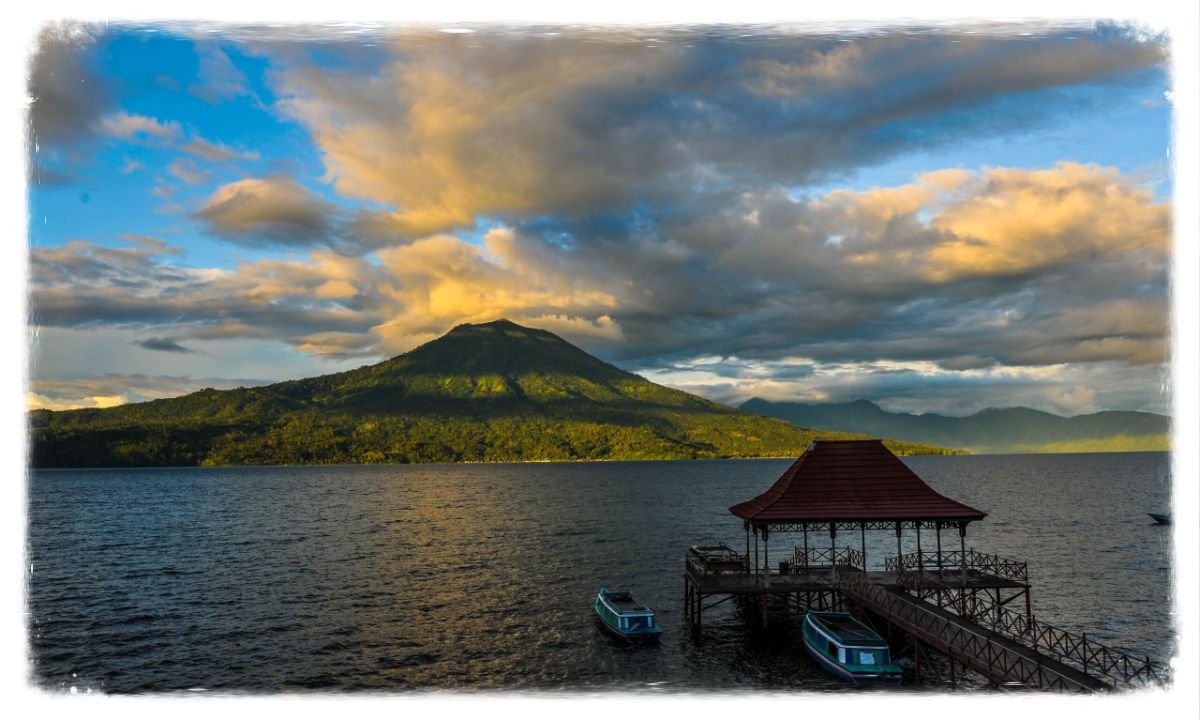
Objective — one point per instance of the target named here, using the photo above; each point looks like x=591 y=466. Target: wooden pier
x=972 y=608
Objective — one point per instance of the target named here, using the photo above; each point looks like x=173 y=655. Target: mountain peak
x=499 y=323
x=502 y=347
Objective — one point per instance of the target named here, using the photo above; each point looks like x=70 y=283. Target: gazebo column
x=962 y=544
x=862 y=531
x=756 y=549
x=899 y=553
x=804 y=526
x=920 y=561
x=833 y=548
x=939 y=543
x=767 y=553
x=746 y=557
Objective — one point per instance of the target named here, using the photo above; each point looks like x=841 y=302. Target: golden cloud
x=1015 y=221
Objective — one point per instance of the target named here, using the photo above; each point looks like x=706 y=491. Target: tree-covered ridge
x=1001 y=430
x=489 y=392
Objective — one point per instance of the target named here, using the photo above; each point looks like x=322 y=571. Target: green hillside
x=490 y=392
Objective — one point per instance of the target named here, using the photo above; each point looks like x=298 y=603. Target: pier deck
x=971 y=607
x=1003 y=661
x=959 y=612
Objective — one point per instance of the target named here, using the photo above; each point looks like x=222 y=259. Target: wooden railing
x=971 y=646
x=953 y=560
x=1075 y=650
x=826 y=557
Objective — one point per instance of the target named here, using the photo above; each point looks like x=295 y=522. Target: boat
x=623 y=616
x=1161 y=518
x=709 y=559
x=849 y=649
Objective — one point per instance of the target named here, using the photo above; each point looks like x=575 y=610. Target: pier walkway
x=1003 y=661
x=954 y=605
x=971 y=607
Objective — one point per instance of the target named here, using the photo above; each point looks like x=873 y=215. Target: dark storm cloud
x=163 y=345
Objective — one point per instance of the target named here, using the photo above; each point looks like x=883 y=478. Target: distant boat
x=625 y=617
x=1161 y=518
x=848 y=649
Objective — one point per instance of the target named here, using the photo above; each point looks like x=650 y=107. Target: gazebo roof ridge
x=851 y=481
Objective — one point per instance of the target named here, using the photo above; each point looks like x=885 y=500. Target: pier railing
x=1076 y=650
x=953 y=560
x=826 y=557
x=966 y=643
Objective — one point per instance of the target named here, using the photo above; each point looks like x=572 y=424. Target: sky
x=938 y=220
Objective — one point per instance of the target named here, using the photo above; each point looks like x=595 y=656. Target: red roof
x=837 y=480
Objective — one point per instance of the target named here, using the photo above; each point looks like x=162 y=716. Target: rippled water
x=482 y=576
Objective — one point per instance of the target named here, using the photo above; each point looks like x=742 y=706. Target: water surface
x=482 y=576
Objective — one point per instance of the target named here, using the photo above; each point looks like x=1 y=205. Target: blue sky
x=940 y=221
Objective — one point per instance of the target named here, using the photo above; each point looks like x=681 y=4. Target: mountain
x=490 y=392
x=1017 y=429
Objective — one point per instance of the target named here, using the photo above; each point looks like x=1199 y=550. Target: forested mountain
x=1017 y=429
x=488 y=392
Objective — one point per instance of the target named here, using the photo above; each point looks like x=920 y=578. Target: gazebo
x=847 y=485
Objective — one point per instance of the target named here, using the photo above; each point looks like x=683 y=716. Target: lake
x=482 y=576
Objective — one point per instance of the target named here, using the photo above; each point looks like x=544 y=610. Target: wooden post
x=746 y=559
x=833 y=548
x=805 y=527
x=920 y=559
x=939 y=548
x=756 y=550
x=687 y=599
x=962 y=544
x=899 y=553
x=862 y=531
x=766 y=555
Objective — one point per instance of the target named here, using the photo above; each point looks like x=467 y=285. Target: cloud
x=186 y=170
x=271 y=210
x=218 y=80
x=141 y=287
x=217 y=152
x=447 y=129
x=336 y=344
x=140 y=128
x=755 y=278
x=116 y=389
x=163 y=345
x=67 y=95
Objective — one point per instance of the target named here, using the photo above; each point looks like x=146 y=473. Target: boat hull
x=848 y=675
x=639 y=637
x=851 y=639
x=623 y=617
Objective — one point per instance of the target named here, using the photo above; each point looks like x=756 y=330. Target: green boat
x=848 y=649
x=625 y=617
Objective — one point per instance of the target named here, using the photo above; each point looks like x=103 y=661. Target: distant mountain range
x=1006 y=430
x=488 y=392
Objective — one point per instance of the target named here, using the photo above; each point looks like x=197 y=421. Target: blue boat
x=625 y=617
x=848 y=649
x=1161 y=518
